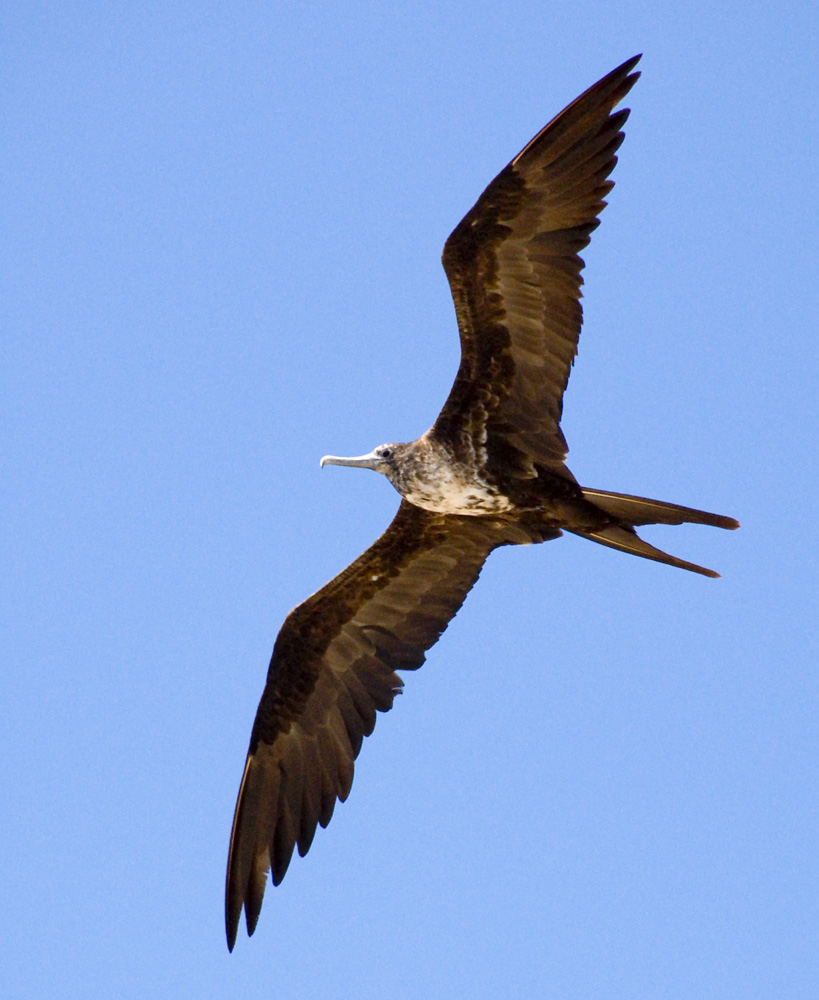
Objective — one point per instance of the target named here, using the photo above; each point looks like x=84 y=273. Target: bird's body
x=489 y=472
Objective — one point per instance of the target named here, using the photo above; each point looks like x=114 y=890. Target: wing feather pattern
x=514 y=268
x=333 y=667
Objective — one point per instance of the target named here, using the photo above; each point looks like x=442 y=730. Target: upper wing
x=333 y=666
x=514 y=271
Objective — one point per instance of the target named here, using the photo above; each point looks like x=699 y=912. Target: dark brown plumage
x=489 y=472
x=333 y=666
x=514 y=271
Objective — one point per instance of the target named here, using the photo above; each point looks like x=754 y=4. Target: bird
x=490 y=472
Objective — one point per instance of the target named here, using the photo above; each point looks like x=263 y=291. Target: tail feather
x=632 y=511
x=627 y=540
x=640 y=510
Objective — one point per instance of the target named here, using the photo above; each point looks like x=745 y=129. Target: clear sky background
x=220 y=261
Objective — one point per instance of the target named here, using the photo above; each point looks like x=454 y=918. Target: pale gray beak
x=371 y=461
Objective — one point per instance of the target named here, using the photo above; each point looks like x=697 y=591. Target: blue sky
x=222 y=232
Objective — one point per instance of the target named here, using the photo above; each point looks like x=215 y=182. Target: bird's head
x=386 y=459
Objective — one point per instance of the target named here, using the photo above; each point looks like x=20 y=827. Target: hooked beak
x=371 y=461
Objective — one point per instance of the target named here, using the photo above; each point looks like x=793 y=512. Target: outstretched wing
x=514 y=269
x=333 y=665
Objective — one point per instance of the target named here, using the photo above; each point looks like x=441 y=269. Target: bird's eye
x=385 y=452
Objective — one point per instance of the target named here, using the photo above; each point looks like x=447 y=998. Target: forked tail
x=639 y=510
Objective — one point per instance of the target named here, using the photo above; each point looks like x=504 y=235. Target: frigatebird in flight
x=489 y=472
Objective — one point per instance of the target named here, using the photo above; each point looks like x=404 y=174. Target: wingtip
x=231 y=930
x=234 y=898
x=233 y=915
x=232 y=920
x=624 y=69
x=629 y=75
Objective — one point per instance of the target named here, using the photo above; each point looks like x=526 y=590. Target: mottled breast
x=445 y=490
x=427 y=474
